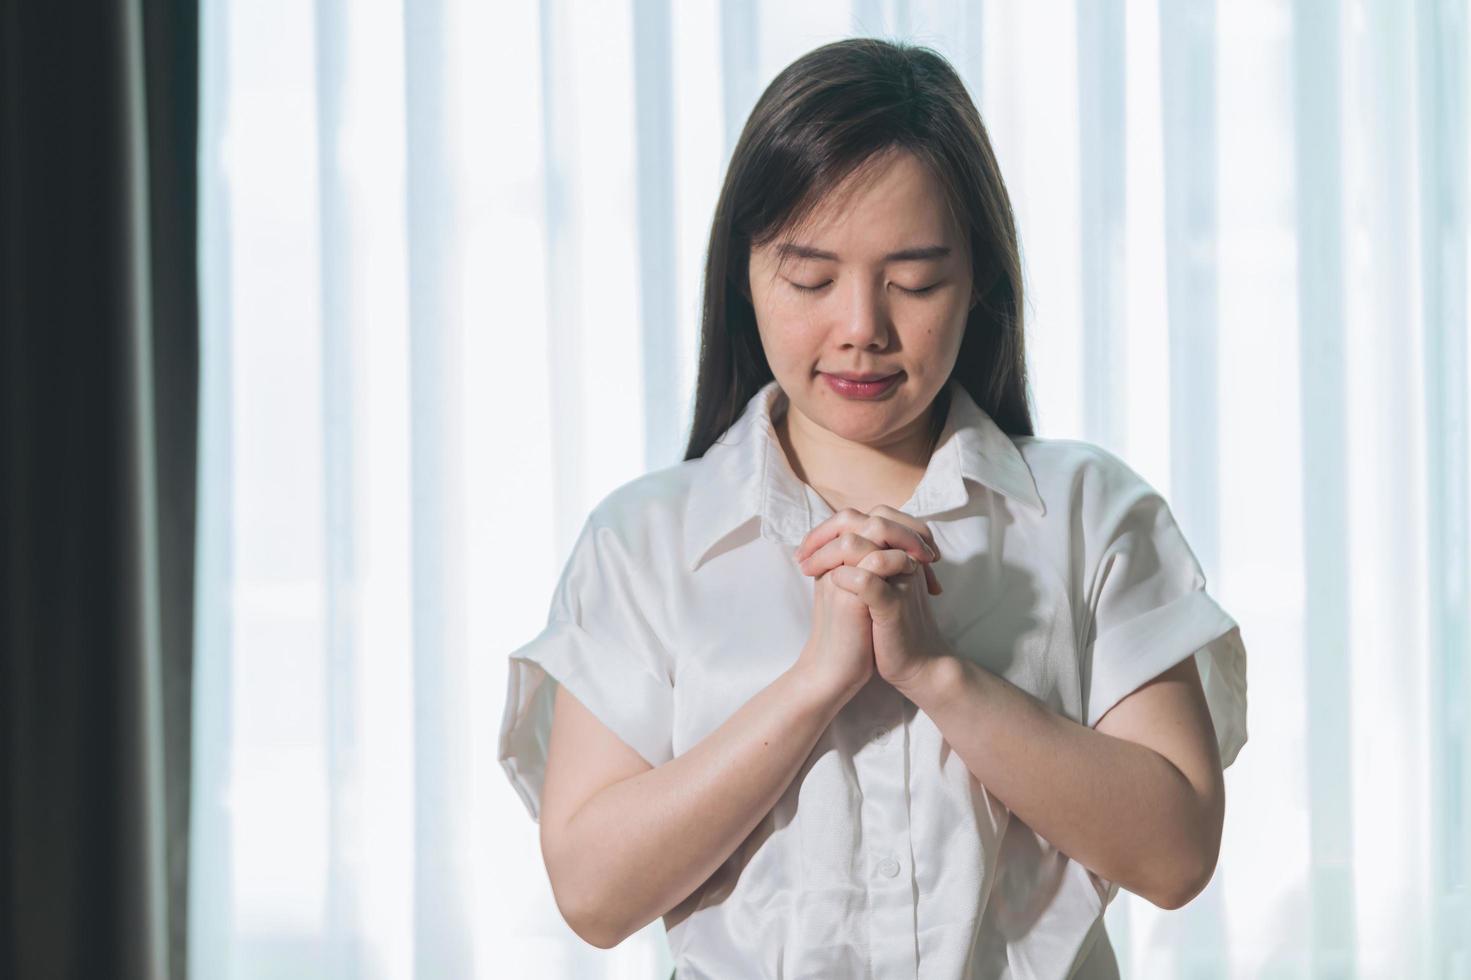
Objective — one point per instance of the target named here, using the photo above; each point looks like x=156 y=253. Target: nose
x=865 y=322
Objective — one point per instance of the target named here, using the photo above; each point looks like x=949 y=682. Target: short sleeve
x=599 y=642
x=1149 y=610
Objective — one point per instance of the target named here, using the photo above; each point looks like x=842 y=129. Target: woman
x=875 y=681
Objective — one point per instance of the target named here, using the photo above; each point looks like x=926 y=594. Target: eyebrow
x=919 y=253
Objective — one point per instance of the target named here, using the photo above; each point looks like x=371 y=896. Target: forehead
x=892 y=201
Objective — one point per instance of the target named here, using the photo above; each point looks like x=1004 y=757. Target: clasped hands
x=885 y=552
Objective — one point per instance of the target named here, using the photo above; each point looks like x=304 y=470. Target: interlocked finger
x=888 y=532
x=888 y=562
x=847 y=548
x=850 y=535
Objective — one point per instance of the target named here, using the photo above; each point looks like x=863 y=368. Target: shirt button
x=888 y=867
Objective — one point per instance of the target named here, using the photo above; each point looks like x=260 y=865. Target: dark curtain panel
x=98 y=391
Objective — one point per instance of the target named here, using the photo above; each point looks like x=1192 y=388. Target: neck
x=856 y=474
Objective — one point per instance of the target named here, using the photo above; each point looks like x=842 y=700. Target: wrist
x=940 y=678
x=819 y=688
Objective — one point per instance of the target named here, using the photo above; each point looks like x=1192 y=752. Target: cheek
x=786 y=339
x=941 y=329
x=777 y=311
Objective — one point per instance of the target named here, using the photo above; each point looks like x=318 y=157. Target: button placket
x=885 y=817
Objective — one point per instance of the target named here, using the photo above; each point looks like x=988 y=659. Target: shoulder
x=644 y=517
x=1075 y=476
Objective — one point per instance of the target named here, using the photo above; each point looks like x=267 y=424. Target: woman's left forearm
x=1119 y=808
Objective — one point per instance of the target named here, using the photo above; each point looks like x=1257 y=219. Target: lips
x=862 y=377
x=864 y=390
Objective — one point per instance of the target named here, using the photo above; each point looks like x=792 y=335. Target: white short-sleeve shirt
x=1064 y=572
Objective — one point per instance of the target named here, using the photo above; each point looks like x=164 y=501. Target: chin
x=865 y=422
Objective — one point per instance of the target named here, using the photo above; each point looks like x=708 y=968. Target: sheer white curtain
x=451 y=266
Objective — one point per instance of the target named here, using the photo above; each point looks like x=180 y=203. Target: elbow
x=1188 y=875
x=601 y=938
x=1190 y=882
x=580 y=903
x=592 y=926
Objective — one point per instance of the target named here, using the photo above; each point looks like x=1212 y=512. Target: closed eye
x=823 y=285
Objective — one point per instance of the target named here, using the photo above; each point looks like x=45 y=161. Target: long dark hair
x=831 y=113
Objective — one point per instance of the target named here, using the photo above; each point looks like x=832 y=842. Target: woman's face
x=839 y=301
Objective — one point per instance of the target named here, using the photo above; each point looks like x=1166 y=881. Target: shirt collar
x=745 y=473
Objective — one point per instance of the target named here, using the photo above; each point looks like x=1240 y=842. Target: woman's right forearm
x=641 y=846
